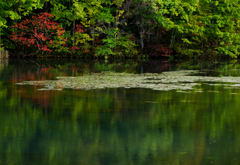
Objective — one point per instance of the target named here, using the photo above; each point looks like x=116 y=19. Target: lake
x=119 y=126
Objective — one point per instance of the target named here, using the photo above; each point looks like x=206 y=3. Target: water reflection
x=115 y=126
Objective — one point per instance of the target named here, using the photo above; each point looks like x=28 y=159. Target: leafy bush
x=117 y=45
x=40 y=33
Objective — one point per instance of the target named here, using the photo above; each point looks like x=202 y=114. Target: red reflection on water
x=42 y=74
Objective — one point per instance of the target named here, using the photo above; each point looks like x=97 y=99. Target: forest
x=120 y=28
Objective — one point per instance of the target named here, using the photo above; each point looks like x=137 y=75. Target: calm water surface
x=116 y=126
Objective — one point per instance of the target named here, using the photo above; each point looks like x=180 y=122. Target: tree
x=222 y=27
x=71 y=13
x=12 y=10
x=205 y=27
x=113 y=24
x=40 y=32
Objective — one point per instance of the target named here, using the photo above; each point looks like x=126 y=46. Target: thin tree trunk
x=172 y=38
x=109 y=22
x=73 y=33
x=93 y=37
x=141 y=40
x=46 y=7
x=141 y=33
x=115 y=43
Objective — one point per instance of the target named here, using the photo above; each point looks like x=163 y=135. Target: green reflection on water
x=119 y=126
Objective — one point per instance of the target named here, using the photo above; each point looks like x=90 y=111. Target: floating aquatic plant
x=164 y=81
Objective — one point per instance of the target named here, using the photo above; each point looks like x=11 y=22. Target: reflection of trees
x=123 y=126
x=3 y=64
x=118 y=126
x=212 y=68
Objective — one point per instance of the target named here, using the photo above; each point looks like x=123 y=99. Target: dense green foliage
x=192 y=28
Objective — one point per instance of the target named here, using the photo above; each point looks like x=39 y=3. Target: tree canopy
x=123 y=28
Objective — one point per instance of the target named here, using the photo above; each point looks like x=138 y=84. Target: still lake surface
x=117 y=126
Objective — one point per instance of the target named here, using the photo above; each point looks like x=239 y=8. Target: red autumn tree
x=40 y=32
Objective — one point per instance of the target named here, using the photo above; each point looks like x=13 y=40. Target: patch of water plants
x=180 y=80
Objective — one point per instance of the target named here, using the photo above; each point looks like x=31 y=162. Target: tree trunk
x=141 y=33
x=115 y=35
x=93 y=37
x=73 y=33
x=172 y=38
x=46 y=6
x=141 y=40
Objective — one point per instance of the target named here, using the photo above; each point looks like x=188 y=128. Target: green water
x=116 y=126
